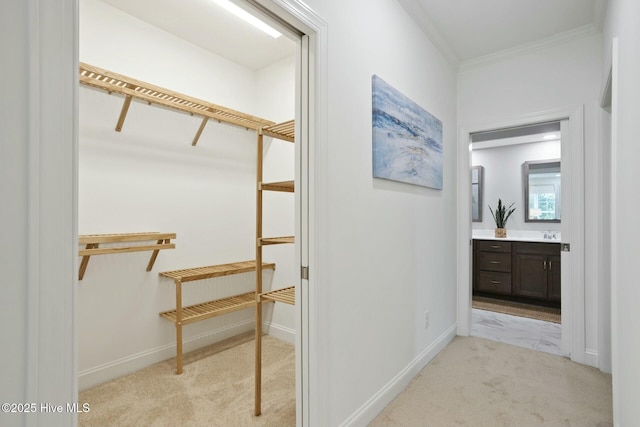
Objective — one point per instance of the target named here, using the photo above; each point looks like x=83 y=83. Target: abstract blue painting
x=407 y=140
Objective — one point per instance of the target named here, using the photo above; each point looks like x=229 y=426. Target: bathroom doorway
x=572 y=234
x=516 y=278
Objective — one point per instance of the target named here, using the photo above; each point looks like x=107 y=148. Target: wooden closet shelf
x=132 y=88
x=93 y=241
x=286 y=295
x=201 y=273
x=194 y=313
x=284 y=131
x=206 y=310
x=286 y=186
x=276 y=240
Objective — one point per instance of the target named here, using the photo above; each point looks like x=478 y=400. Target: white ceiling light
x=243 y=14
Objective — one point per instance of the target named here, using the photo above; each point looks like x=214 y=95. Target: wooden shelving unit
x=184 y=315
x=131 y=88
x=121 y=243
x=286 y=132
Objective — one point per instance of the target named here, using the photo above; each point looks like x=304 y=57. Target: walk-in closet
x=186 y=215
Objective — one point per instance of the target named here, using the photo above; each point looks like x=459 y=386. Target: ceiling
x=462 y=29
x=469 y=29
x=212 y=28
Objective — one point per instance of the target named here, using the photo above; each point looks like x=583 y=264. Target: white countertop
x=517 y=235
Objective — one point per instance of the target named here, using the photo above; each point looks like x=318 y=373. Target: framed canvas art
x=407 y=139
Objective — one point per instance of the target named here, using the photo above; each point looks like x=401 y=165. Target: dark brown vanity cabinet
x=493 y=261
x=519 y=269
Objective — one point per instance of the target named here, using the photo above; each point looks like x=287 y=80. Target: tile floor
x=520 y=331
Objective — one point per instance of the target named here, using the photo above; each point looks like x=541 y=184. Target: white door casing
x=572 y=300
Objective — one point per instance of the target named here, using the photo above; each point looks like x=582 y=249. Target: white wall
x=565 y=75
x=503 y=179
x=149 y=178
x=621 y=22
x=389 y=249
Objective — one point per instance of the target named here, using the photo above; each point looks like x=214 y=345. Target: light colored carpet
x=548 y=314
x=216 y=389
x=477 y=382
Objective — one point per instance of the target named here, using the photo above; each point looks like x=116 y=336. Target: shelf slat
x=286 y=186
x=277 y=240
x=86 y=239
x=201 y=273
x=206 y=310
x=105 y=251
x=286 y=295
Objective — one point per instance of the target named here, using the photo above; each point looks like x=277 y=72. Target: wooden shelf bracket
x=92 y=246
x=123 y=112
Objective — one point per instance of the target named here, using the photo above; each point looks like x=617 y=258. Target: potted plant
x=500 y=216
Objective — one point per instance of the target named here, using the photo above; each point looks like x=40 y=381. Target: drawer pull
x=496 y=246
x=495 y=282
x=495 y=262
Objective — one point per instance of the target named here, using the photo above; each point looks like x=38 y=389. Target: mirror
x=476 y=193
x=542 y=191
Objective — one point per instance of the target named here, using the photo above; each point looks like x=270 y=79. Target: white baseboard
x=591 y=358
x=367 y=412
x=99 y=374
x=281 y=332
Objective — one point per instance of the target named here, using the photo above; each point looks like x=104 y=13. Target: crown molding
x=421 y=18
x=566 y=36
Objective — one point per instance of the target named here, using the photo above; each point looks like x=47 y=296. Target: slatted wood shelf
x=286 y=295
x=201 y=273
x=276 y=240
x=284 y=131
x=131 y=88
x=184 y=315
x=209 y=309
x=93 y=241
x=285 y=186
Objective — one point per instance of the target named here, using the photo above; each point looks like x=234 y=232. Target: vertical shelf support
x=178 y=326
x=258 y=328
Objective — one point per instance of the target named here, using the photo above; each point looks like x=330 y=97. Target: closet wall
x=149 y=178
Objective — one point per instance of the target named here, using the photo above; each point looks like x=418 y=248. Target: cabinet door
x=553 y=274
x=531 y=276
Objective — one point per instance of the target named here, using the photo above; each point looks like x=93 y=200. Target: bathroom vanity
x=517 y=269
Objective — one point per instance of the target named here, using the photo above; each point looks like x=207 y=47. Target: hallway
x=477 y=382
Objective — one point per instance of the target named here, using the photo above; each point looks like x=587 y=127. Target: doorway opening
x=516 y=186
x=205 y=191
x=572 y=233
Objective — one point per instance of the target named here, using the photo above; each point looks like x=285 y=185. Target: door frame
x=573 y=298
x=311 y=160
x=51 y=81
